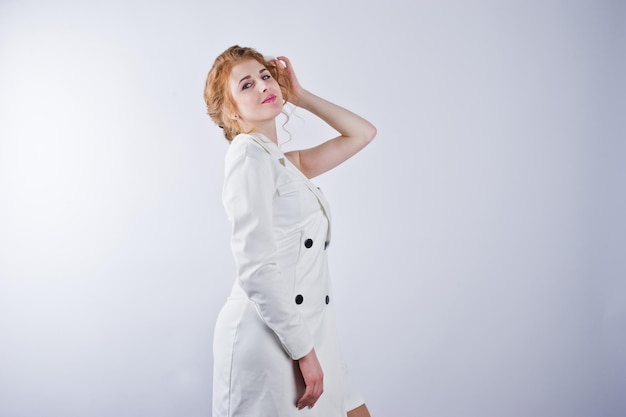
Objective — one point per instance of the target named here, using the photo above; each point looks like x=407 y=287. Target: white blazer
x=281 y=305
x=280 y=233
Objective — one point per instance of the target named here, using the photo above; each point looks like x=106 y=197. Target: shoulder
x=250 y=154
x=244 y=145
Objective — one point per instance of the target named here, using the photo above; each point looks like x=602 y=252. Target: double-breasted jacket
x=280 y=306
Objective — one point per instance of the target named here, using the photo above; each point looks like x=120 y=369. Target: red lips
x=270 y=99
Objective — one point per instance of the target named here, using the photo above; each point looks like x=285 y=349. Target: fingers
x=275 y=60
x=312 y=393
x=284 y=61
x=313 y=380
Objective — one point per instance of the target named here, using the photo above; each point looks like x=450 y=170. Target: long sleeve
x=248 y=199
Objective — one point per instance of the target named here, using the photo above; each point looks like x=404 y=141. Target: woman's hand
x=313 y=380
x=296 y=91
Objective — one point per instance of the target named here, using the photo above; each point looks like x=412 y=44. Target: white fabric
x=280 y=231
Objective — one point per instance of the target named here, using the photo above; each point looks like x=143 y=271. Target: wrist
x=300 y=98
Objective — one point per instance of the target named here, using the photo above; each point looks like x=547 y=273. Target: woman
x=275 y=345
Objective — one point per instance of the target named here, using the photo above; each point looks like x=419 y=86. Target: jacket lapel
x=271 y=148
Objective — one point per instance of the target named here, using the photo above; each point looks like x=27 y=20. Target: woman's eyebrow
x=249 y=76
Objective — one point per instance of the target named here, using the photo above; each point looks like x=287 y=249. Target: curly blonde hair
x=219 y=102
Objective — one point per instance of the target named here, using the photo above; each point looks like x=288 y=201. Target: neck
x=267 y=129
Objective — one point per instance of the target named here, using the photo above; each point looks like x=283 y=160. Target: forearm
x=354 y=131
x=347 y=123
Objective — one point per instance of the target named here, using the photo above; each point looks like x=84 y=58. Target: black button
x=308 y=243
x=326 y=244
x=299 y=299
x=327 y=299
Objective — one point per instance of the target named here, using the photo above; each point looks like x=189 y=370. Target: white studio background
x=478 y=252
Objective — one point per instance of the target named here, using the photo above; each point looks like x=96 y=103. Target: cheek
x=238 y=99
x=242 y=104
x=279 y=92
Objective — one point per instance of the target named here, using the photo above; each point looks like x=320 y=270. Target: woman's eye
x=246 y=85
x=266 y=77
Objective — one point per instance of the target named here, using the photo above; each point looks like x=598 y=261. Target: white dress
x=281 y=304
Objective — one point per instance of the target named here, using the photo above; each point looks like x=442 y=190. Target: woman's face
x=255 y=92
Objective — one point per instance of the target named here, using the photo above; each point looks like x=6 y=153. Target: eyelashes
x=264 y=77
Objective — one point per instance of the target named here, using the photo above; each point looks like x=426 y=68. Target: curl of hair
x=219 y=101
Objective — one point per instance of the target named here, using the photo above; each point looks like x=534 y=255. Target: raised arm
x=354 y=131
